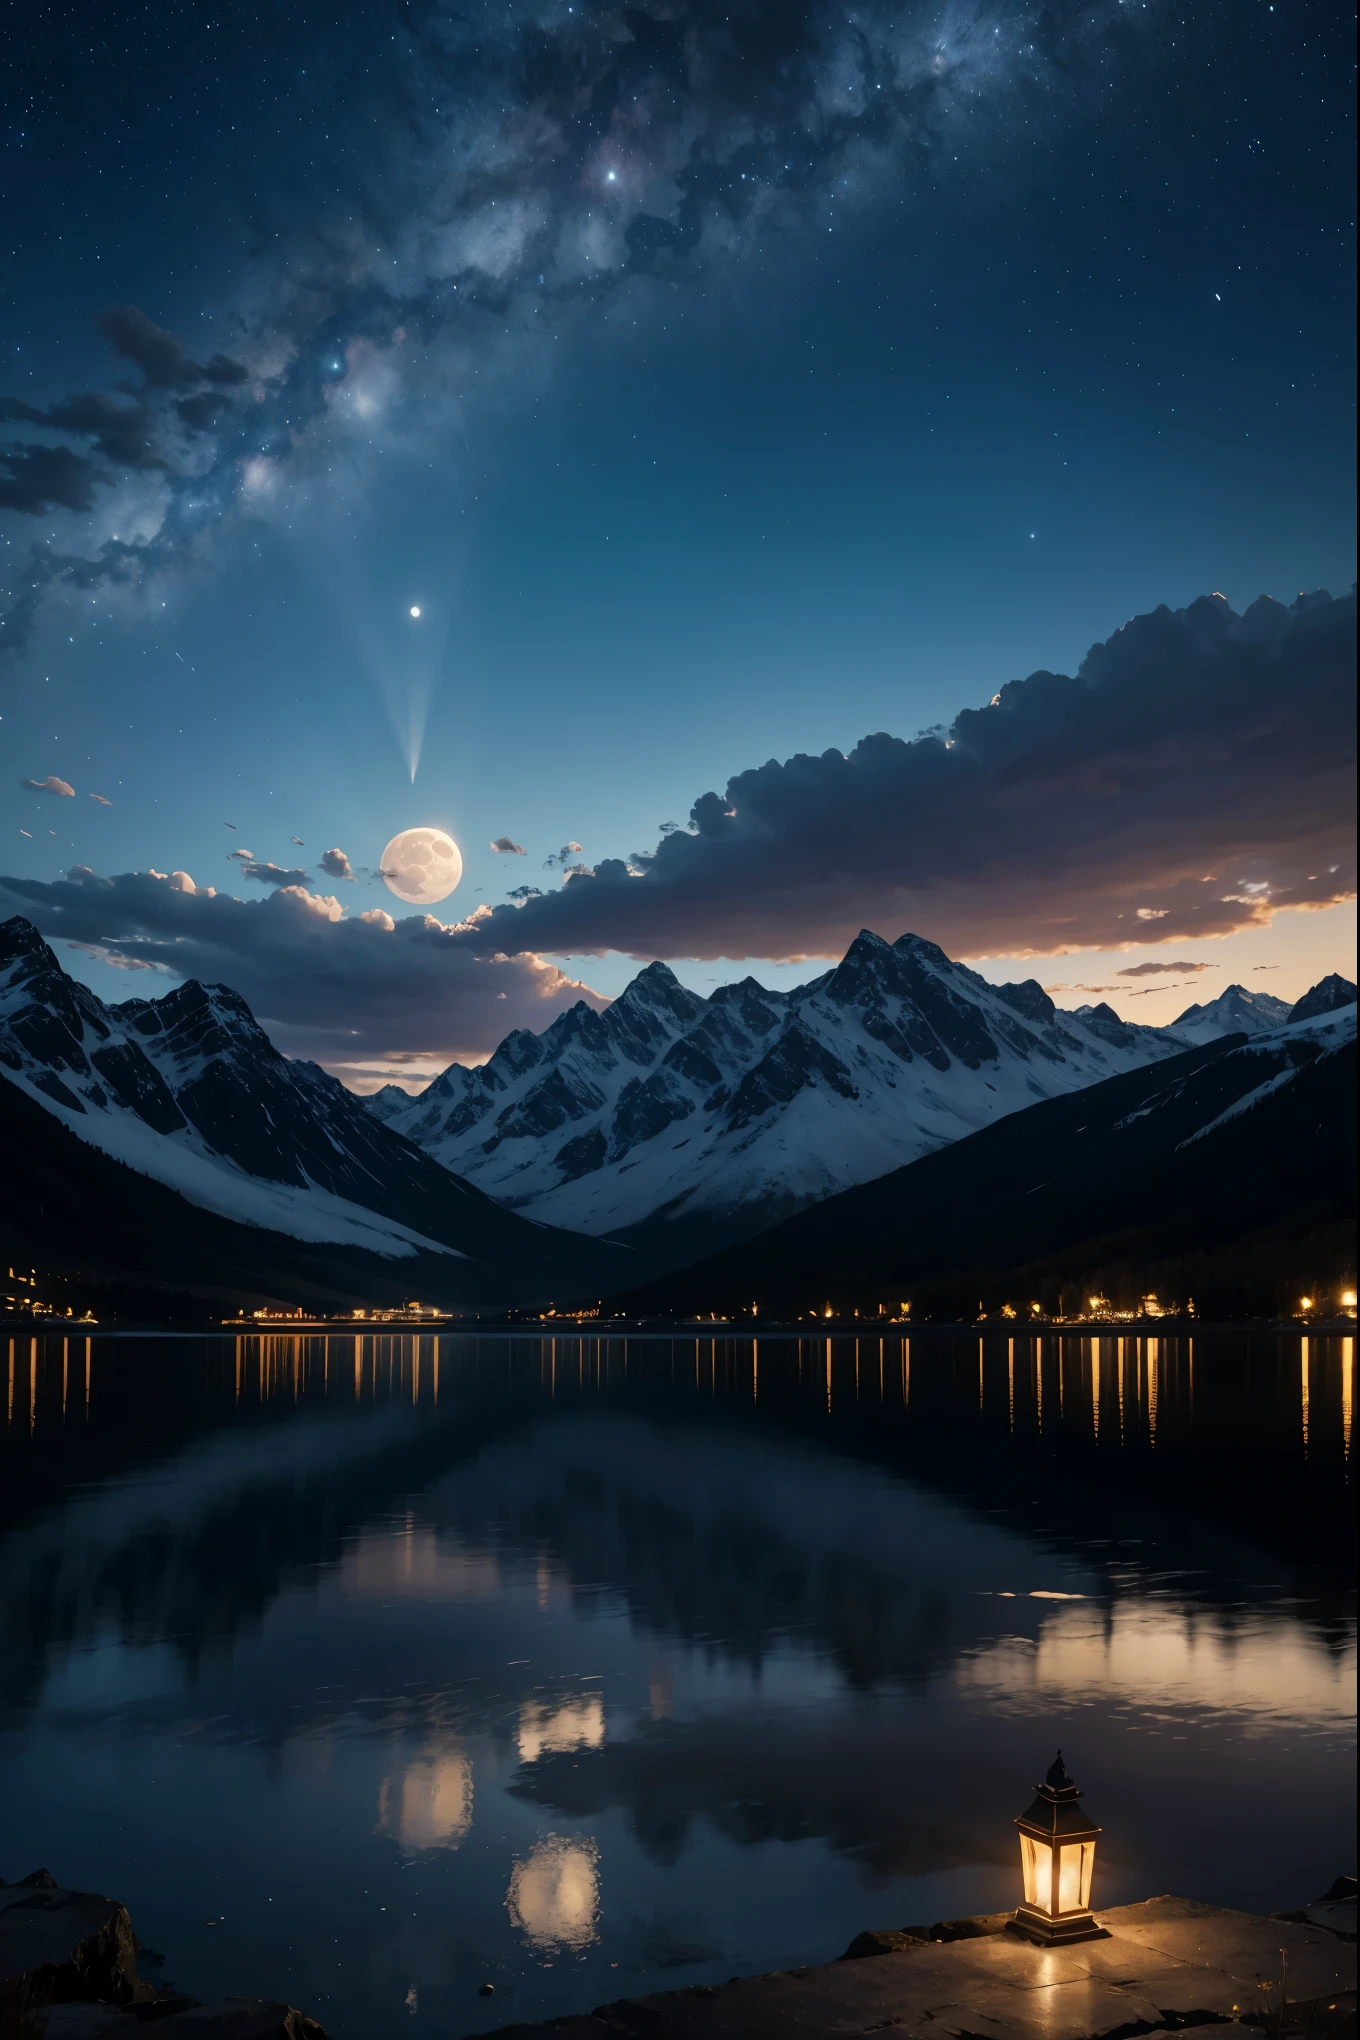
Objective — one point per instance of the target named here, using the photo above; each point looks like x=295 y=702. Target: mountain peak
x=917 y=945
x=1029 y=999
x=19 y=937
x=1329 y=995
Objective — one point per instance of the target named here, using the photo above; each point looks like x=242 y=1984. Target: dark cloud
x=561 y=856
x=1194 y=777
x=549 y=159
x=335 y=864
x=272 y=874
x=1164 y=969
x=335 y=986
x=123 y=433
x=506 y=848
x=159 y=355
x=221 y=369
x=202 y=412
x=34 y=479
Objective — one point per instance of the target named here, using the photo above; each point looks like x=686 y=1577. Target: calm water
x=366 y=1671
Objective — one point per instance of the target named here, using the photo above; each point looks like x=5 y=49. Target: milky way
x=528 y=165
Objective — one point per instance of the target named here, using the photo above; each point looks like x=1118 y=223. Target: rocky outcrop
x=57 y=1946
x=68 y=1971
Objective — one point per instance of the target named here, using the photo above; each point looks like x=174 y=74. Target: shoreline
x=1167 y=1965
x=37 y=1326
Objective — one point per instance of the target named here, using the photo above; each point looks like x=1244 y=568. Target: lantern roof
x=1054 y=1813
x=1057 y=1784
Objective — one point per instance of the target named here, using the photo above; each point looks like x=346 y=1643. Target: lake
x=370 y=1670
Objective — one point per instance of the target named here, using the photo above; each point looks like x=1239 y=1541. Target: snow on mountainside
x=752 y=1103
x=1236 y=1011
x=189 y=1090
x=1272 y=1058
x=1140 y=1176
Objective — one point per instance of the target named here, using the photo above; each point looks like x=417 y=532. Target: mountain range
x=185 y=1100
x=671 y=1121
x=1222 y=1173
x=167 y=1142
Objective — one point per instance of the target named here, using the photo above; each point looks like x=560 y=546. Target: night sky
x=722 y=383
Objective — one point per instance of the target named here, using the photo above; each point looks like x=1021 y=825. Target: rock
x=240 y=2018
x=895 y=1940
x=236 y=2018
x=1335 y=1910
x=57 y=1946
x=882 y=1941
x=971 y=1929
x=71 y=1958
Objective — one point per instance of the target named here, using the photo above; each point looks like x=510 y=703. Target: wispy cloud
x=1142 y=970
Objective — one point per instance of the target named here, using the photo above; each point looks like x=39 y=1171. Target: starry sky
x=724 y=384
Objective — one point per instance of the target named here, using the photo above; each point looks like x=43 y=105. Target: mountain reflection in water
x=582 y=1665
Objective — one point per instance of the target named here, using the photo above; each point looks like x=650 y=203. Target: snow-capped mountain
x=1153 y=1171
x=190 y=1091
x=749 y=1104
x=1235 y=1011
x=1330 y=995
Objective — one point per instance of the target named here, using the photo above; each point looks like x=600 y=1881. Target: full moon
x=415 y=609
x=422 y=866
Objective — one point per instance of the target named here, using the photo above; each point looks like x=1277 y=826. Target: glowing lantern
x=1057 y=1857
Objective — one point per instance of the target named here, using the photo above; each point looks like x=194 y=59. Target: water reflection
x=429 y=1806
x=554 y=1896
x=1171 y=1659
x=571 y=1725
x=579 y=1657
x=1119 y=1390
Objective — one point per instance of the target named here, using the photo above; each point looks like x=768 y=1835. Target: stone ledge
x=1169 y=1966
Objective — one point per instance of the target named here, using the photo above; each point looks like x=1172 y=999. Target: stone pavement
x=1169 y=1965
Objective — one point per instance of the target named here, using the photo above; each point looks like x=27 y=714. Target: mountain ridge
x=671 y=1112
x=189 y=1092
x=1225 y=1140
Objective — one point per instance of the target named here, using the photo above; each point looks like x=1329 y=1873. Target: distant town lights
x=1348 y=1299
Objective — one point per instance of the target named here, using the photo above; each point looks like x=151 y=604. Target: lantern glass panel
x=1036 y=1864
x=1075 y=1864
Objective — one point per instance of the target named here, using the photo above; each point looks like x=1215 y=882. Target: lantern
x=1057 y=1856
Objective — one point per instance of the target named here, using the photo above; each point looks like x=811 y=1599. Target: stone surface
x=70 y=1959
x=882 y=1941
x=1170 y=1964
x=239 y=2018
x=57 y=1945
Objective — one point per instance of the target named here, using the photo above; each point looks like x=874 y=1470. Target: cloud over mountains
x=1192 y=778
x=333 y=986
